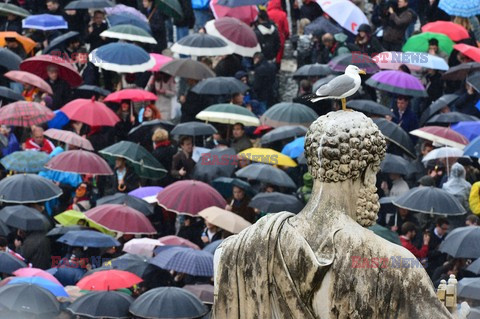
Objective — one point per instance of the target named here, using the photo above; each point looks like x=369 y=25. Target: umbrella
x=8 y=8
x=185 y=260
x=203 y=292
x=56 y=289
x=58 y=42
x=9 y=60
x=29 y=299
x=224 y=219
x=73 y=217
x=25 y=161
x=168 y=302
x=430 y=200
x=143 y=162
x=88 y=4
x=9 y=94
x=442 y=152
x=462 y=242
x=419 y=42
x=236 y=33
x=397 y=82
x=44 y=22
x=147 y=193
x=102 y=304
x=282 y=133
x=147 y=128
x=171 y=8
x=267 y=156
x=89 y=90
x=39 y=63
x=246 y=14
x=469 y=288
x=392 y=60
x=141 y=246
x=312 y=70
x=214 y=164
x=27 y=188
x=130 y=201
x=294 y=148
x=128 y=18
x=369 y=107
x=385 y=233
x=289 y=113
x=109 y=280
x=460 y=8
x=395 y=164
x=474 y=267
x=69 y=138
x=187 y=68
x=364 y=62
x=469 y=51
x=473 y=149
x=437 y=106
x=4 y=230
x=59 y=230
x=27 y=43
x=68 y=274
x=128 y=32
x=189 y=197
x=88 y=238
x=123 y=10
x=35 y=272
x=221 y=85
x=228 y=114
x=172 y=240
x=24 y=217
x=266 y=174
x=428 y=61
x=80 y=162
x=461 y=71
x=193 y=129
x=395 y=134
x=212 y=247
x=9 y=263
x=122 y=58
x=134 y=95
x=25 y=114
x=452 y=117
x=345 y=13
x=453 y=30
x=224 y=185
x=199 y=44
x=27 y=78
x=160 y=60
x=240 y=3
x=474 y=80
x=442 y=135
x=90 y=112
x=276 y=202
x=120 y=218
x=469 y=129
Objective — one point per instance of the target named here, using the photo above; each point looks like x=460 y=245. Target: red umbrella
x=135 y=95
x=452 y=30
x=69 y=138
x=189 y=197
x=442 y=135
x=25 y=114
x=38 y=66
x=173 y=240
x=121 y=218
x=27 y=78
x=262 y=129
x=469 y=51
x=90 y=112
x=108 y=280
x=79 y=161
x=246 y=14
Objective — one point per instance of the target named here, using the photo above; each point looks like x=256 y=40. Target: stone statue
x=324 y=262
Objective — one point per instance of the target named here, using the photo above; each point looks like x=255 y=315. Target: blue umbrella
x=122 y=58
x=468 y=129
x=44 y=22
x=59 y=121
x=473 y=149
x=25 y=161
x=10 y=263
x=67 y=276
x=55 y=289
x=212 y=247
x=125 y=18
x=460 y=8
x=295 y=148
x=88 y=238
x=185 y=260
x=224 y=185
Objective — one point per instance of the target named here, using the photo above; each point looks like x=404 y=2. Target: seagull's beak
x=362 y=72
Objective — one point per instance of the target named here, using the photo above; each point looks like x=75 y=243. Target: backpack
x=270 y=43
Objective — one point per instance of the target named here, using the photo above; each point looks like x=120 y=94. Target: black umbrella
x=461 y=71
x=102 y=304
x=193 y=129
x=430 y=200
x=452 y=117
x=201 y=44
x=27 y=188
x=469 y=288
x=86 y=91
x=395 y=164
x=395 y=134
x=283 y=132
x=316 y=69
x=474 y=80
x=29 y=299
x=4 y=230
x=10 y=263
x=475 y=267
x=24 y=217
x=146 y=129
x=135 y=264
x=9 y=60
x=131 y=201
x=187 y=68
x=57 y=42
x=10 y=95
x=369 y=107
x=266 y=174
x=276 y=202
x=168 y=302
x=88 y=238
x=214 y=164
x=221 y=85
x=436 y=106
x=89 y=4
x=62 y=230
x=462 y=242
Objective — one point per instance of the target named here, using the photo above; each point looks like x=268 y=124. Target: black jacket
x=188 y=16
x=61 y=93
x=157 y=23
x=94 y=37
x=130 y=180
x=264 y=81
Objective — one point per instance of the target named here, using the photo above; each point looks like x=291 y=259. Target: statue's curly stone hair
x=341 y=145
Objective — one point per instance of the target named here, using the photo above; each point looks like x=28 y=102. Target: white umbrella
x=345 y=13
x=442 y=152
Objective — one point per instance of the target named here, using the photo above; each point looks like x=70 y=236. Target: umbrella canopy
x=397 y=82
x=87 y=91
x=128 y=200
x=189 y=197
x=392 y=60
x=282 y=133
x=246 y=14
x=172 y=240
x=8 y=8
x=160 y=60
x=473 y=148
x=147 y=193
x=442 y=135
x=395 y=134
x=187 y=68
x=138 y=134
x=90 y=112
x=430 y=200
x=469 y=51
x=203 y=292
x=289 y=113
x=27 y=78
x=193 y=129
x=221 y=85
x=460 y=8
x=345 y=13
x=228 y=114
x=474 y=80
x=128 y=32
x=267 y=156
x=79 y=161
x=25 y=161
x=69 y=138
x=129 y=18
x=39 y=63
x=25 y=114
x=29 y=299
x=369 y=107
x=59 y=42
x=451 y=117
x=59 y=230
x=44 y=22
x=266 y=174
x=224 y=219
x=469 y=288
x=9 y=263
x=436 y=106
x=168 y=302
x=27 y=188
x=109 y=280
x=395 y=164
x=27 y=43
x=461 y=71
x=122 y=58
x=385 y=233
x=102 y=304
x=236 y=33
x=56 y=289
x=88 y=4
x=462 y=242
x=295 y=148
x=35 y=272
x=120 y=218
x=419 y=42
x=185 y=260
x=364 y=62
x=452 y=30
x=24 y=217
x=9 y=60
x=224 y=185
x=88 y=238
x=469 y=129
x=141 y=246
x=134 y=95
x=123 y=10
x=10 y=95
x=442 y=152
x=199 y=44
x=474 y=267
x=312 y=70
x=68 y=275
x=171 y=8
x=214 y=164
x=276 y=202
x=428 y=61
x=73 y=217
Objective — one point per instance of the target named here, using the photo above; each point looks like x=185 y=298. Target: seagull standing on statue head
x=341 y=86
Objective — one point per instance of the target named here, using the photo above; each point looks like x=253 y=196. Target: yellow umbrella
x=267 y=156
x=72 y=217
x=224 y=219
x=27 y=43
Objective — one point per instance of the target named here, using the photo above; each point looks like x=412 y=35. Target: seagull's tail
x=313 y=97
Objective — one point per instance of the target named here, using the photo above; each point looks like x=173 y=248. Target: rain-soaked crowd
x=137 y=135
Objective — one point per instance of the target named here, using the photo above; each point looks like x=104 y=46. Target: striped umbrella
x=25 y=161
x=202 y=45
x=228 y=114
x=128 y=32
x=185 y=260
x=25 y=114
x=122 y=58
x=289 y=113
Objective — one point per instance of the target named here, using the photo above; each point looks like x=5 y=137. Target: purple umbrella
x=363 y=61
x=120 y=9
x=397 y=82
x=147 y=191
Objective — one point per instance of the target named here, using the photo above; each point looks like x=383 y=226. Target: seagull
x=340 y=87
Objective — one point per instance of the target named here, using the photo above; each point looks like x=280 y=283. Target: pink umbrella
x=141 y=246
x=177 y=241
x=90 y=112
x=35 y=272
x=389 y=60
x=160 y=60
x=69 y=138
x=27 y=78
x=79 y=161
x=25 y=114
x=135 y=95
x=247 y=14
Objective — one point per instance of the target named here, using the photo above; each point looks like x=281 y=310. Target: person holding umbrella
x=125 y=178
x=163 y=85
x=60 y=88
x=157 y=24
x=163 y=151
x=128 y=120
x=238 y=204
x=182 y=162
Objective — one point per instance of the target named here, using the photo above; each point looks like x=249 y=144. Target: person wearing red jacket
x=279 y=17
x=38 y=142
x=409 y=230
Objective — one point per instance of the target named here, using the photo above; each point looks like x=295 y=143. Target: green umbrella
x=128 y=32
x=6 y=8
x=385 y=233
x=171 y=8
x=25 y=161
x=419 y=42
x=228 y=114
x=143 y=162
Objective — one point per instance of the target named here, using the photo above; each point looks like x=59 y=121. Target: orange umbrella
x=27 y=43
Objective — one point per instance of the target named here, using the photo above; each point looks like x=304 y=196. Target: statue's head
x=347 y=146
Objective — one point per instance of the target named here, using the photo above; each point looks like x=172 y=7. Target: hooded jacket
x=269 y=39
x=279 y=17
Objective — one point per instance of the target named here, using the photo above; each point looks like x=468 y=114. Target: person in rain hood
x=457 y=184
x=267 y=35
x=279 y=17
x=367 y=43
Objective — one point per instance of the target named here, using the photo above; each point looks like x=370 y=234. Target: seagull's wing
x=336 y=87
